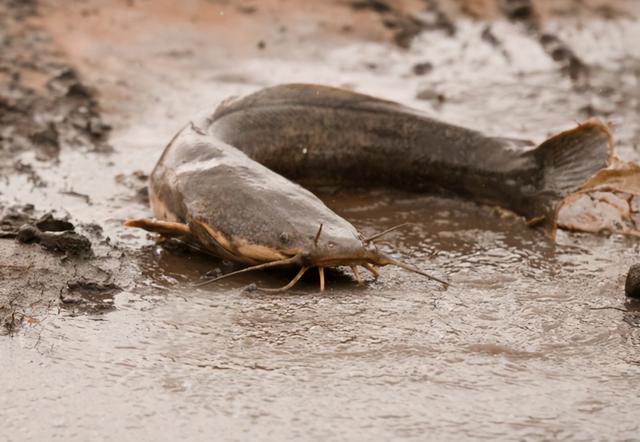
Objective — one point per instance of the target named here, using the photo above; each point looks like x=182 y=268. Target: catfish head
x=329 y=247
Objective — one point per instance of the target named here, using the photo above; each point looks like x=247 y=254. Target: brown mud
x=533 y=341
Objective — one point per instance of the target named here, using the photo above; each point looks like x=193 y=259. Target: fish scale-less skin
x=322 y=133
x=201 y=179
x=245 y=211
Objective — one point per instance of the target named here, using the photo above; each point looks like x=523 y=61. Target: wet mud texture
x=535 y=340
x=44 y=108
x=47 y=263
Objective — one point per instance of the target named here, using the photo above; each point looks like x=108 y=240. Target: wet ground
x=534 y=340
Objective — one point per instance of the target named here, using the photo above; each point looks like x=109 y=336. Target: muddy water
x=533 y=341
x=520 y=347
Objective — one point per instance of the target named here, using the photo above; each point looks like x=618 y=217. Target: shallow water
x=533 y=340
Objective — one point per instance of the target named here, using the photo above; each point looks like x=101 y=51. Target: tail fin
x=567 y=161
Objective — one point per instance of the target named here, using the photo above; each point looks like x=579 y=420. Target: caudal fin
x=567 y=161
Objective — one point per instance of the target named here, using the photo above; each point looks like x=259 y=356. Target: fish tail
x=567 y=160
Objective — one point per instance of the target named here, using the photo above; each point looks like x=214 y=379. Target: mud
x=404 y=23
x=46 y=263
x=67 y=241
x=45 y=107
x=632 y=283
x=535 y=339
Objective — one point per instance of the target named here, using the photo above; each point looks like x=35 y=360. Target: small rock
x=422 y=68
x=632 y=284
x=47 y=223
x=47 y=141
x=27 y=234
x=373 y=5
x=13 y=217
x=67 y=242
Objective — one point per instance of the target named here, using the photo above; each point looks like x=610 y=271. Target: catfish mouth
x=367 y=257
x=358 y=252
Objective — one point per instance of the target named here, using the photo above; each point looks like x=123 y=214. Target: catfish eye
x=331 y=245
x=284 y=238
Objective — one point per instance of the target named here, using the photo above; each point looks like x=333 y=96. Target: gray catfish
x=208 y=193
x=218 y=184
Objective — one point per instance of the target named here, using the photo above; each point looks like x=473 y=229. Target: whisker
x=384 y=232
x=387 y=260
x=315 y=240
x=371 y=269
x=288 y=286
x=356 y=273
x=267 y=265
x=321 y=271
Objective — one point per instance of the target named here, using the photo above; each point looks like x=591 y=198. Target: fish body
x=240 y=209
x=220 y=183
x=211 y=195
x=322 y=133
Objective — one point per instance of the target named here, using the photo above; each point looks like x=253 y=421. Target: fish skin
x=213 y=187
x=325 y=134
x=221 y=174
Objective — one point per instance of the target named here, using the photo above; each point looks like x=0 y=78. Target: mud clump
x=422 y=68
x=14 y=217
x=520 y=10
x=80 y=272
x=48 y=223
x=53 y=234
x=68 y=242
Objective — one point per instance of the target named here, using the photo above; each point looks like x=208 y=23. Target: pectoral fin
x=164 y=228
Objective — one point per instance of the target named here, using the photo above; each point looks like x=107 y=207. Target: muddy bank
x=45 y=109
